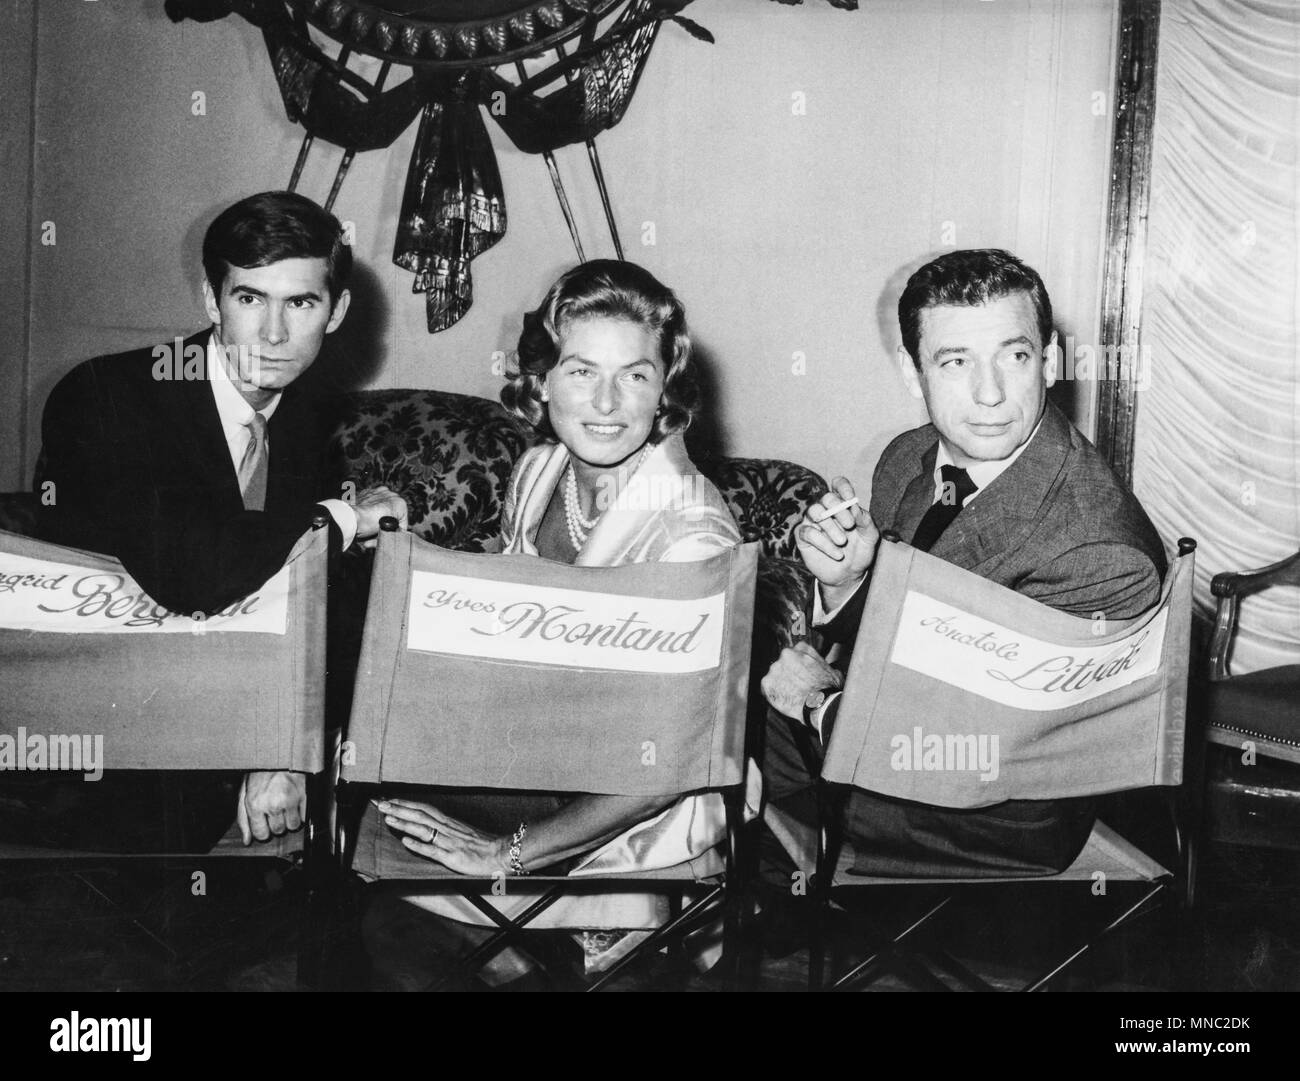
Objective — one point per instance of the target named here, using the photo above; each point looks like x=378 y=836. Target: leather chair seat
x=1262 y=706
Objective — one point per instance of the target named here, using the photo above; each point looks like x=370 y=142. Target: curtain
x=1218 y=417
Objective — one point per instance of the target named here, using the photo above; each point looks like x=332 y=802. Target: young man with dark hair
x=999 y=483
x=200 y=463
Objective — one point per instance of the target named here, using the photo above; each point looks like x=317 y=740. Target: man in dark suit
x=998 y=483
x=199 y=463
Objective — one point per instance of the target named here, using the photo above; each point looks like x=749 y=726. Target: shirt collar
x=982 y=474
x=231 y=407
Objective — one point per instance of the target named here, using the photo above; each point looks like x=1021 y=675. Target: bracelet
x=516 y=846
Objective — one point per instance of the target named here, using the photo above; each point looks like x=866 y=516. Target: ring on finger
x=433 y=832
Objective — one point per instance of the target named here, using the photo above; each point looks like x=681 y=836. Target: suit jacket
x=141 y=471
x=1058 y=526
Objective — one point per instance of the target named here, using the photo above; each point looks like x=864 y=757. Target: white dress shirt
x=236 y=415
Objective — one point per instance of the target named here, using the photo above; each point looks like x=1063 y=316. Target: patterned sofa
x=450 y=456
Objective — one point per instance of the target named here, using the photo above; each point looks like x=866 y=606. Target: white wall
x=928 y=124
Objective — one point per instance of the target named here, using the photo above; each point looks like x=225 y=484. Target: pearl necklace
x=580 y=527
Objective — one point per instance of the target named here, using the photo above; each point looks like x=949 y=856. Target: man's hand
x=837 y=548
x=798 y=673
x=271 y=802
x=373 y=504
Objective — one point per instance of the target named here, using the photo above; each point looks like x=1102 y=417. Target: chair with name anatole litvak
x=517 y=674
x=96 y=680
x=967 y=694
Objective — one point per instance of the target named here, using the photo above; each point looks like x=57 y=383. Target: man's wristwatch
x=812 y=704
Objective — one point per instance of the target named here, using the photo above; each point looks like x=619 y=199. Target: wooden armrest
x=1229 y=587
x=1236 y=583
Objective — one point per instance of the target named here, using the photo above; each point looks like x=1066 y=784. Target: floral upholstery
x=767 y=498
x=450 y=456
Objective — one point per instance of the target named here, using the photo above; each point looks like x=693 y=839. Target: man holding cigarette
x=999 y=483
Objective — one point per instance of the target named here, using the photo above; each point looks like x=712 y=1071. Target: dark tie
x=252 y=470
x=957 y=488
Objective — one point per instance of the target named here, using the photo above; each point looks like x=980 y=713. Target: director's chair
x=442 y=715
x=215 y=695
x=1123 y=740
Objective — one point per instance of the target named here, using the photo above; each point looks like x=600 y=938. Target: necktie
x=957 y=488
x=252 y=470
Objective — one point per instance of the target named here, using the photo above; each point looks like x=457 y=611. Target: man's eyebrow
x=949 y=350
x=250 y=291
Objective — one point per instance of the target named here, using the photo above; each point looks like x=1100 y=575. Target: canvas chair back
x=85 y=653
x=965 y=693
x=514 y=672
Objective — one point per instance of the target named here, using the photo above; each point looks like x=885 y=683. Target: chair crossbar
x=890 y=948
x=948 y=964
x=898 y=955
x=1130 y=913
x=508 y=931
x=679 y=926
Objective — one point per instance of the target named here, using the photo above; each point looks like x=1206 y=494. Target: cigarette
x=841 y=506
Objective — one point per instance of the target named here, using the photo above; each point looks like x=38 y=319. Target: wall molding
x=1126 y=230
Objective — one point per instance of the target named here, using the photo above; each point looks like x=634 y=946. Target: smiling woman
x=605 y=372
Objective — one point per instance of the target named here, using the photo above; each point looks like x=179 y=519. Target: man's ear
x=339 y=311
x=210 y=301
x=1051 y=357
x=911 y=377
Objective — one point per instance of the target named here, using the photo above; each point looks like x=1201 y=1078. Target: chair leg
x=830 y=808
x=846 y=981
x=910 y=970
x=509 y=931
x=695 y=916
x=1128 y=914
x=736 y=947
x=817 y=947
x=948 y=964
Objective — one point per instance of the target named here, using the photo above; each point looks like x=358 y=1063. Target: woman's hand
x=437 y=836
